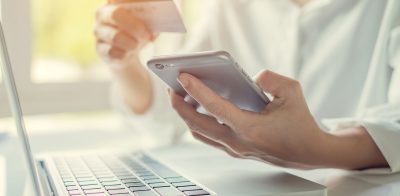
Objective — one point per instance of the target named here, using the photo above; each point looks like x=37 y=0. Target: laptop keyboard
x=138 y=175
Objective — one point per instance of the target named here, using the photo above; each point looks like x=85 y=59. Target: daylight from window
x=63 y=41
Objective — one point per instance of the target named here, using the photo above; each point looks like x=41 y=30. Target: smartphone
x=218 y=70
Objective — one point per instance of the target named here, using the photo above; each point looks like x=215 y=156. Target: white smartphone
x=218 y=70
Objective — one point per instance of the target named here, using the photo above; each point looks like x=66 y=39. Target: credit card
x=158 y=15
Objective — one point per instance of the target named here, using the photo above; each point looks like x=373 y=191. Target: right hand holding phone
x=119 y=33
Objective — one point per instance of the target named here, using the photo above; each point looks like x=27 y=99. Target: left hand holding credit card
x=123 y=27
x=158 y=15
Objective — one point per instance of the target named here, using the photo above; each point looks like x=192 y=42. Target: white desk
x=338 y=182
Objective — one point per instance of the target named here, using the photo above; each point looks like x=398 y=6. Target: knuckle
x=295 y=84
x=117 y=37
x=117 y=12
x=262 y=75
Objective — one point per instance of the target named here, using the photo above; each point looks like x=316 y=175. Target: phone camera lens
x=160 y=66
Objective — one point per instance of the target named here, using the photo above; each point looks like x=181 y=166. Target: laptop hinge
x=46 y=181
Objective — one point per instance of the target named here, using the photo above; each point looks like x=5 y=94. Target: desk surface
x=338 y=182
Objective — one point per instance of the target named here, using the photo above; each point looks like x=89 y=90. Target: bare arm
x=120 y=37
x=135 y=85
x=351 y=148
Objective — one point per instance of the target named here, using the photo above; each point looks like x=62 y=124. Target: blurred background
x=52 y=48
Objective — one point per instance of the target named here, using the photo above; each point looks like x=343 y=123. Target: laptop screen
x=9 y=83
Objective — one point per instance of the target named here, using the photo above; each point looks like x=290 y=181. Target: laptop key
x=75 y=192
x=66 y=176
x=85 y=179
x=96 y=194
x=111 y=183
x=93 y=191
x=182 y=184
x=157 y=185
x=136 y=189
x=196 y=193
x=119 y=191
x=146 y=193
x=105 y=176
x=70 y=188
x=111 y=179
x=114 y=187
x=87 y=187
x=68 y=180
x=178 y=179
x=134 y=184
x=190 y=188
x=69 y=183
x=88 y=183
x=130 y=180
x=153 y=181
x=84 y=176
x=169 y=191
x=126 y=177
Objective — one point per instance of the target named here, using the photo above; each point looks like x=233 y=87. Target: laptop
x=155 y=173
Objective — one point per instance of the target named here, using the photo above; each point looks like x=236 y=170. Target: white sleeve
x=382 y=122
x=160 y=125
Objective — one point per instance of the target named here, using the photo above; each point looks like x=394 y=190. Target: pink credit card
x=158 y=15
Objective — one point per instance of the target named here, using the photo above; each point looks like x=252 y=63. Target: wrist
x=351 y=148
x=134 y=83
x=322 y=149
x=129 y=63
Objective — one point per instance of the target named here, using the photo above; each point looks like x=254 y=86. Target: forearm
x=351 y=148
x=135 y=84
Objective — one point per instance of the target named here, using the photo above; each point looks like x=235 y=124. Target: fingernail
x=183 y=80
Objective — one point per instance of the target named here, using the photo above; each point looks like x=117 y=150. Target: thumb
x=275 y=84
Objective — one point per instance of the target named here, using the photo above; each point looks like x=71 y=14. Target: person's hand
x=119 y=32
x=120 y=36
x=283 y=134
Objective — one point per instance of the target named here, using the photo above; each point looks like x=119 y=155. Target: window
x=63 y=42
x=52 y=49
